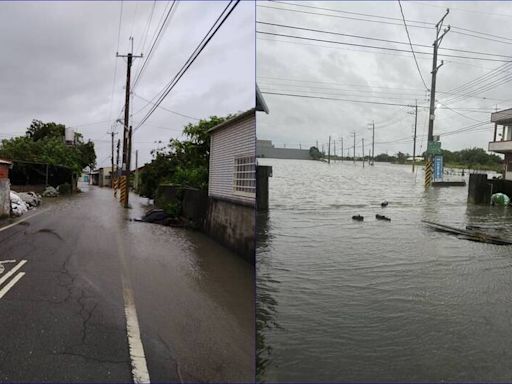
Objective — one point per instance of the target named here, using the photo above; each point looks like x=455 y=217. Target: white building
x=232 y=181
x=233 y=159
x=502 y=142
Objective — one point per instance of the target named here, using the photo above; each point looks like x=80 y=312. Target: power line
x=333 y=98
x=353 y=13
x=115 y=65
x=410 y=43
x=169 y=15
x=148 y=25
x=166 y=109
x=381 y=17
x=483 y=88
x=364 y=102
x=379 y=39
x=207 y=38
x=373 y=52
x=377 y=47
x=337 y=16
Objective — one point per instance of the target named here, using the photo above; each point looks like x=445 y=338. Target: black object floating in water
x=358 y=218
x=384 y=204
x=382 y=217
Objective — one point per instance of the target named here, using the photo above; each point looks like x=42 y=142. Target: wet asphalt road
x=64 y=319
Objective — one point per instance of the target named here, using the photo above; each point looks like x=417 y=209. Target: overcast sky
x=58 y=64
x=308 y=67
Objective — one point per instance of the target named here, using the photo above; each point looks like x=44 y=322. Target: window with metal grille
x=244 y=178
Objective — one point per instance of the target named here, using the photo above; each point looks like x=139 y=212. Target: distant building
x=265 y=149
x=101 y=177
x=502 y=140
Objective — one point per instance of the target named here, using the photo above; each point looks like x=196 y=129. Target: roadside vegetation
x=44 y=143
x=182 y=162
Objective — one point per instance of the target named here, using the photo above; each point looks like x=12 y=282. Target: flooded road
x=340 y=300
x=65 y=318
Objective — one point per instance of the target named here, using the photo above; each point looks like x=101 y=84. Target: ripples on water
x=372 y=300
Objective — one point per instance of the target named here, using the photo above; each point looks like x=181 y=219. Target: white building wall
x=238 y=139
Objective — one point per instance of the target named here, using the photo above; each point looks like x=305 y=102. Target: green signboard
x=434 y=148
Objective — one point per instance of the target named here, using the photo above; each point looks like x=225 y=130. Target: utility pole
x=435 y=68
x=415 y=126
x=342 y=149
x=136 y=171
x=117 y=166
x=129 y=157
x=362 y=141
x=373 y=143
x=334 y=143
x=329 y=152
x=317 y=145
x=125 y=166
x=117 y=156
x=112 y=174
x=354 y=133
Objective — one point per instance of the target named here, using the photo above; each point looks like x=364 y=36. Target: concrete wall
x=481 y=188
x=5 y=201
x=264 y=148
x=263 y=172
x=104 y=177
x=233 y=225
x=237 y=139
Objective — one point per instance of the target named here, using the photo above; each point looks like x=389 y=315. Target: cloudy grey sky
x=58 y=64
x=358 y=73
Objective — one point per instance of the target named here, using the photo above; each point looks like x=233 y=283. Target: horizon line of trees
x=470 y=157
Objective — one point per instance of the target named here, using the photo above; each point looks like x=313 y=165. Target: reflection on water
x=373 y=300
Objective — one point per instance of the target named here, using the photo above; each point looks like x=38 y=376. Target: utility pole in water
x=362 y=141
x=354 y=133
x=435 y=68
x=329 y=152
x=373 y=143
x=415 y=126
x=126 y=133
x=342 y=149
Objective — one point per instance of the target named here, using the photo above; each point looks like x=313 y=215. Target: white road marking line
x=2 y=262
x=12 y=271
x=139 y=367
x=22 y=220
x=11 y=283
x=140 y=373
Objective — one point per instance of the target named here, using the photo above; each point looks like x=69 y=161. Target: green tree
x=39 y=130
x=44 y=143
x=315 y=153
x=384 y=157
x=401 y=157
x=183 y=162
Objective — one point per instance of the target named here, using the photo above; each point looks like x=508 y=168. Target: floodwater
x=194 y=298
x=341 y=300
